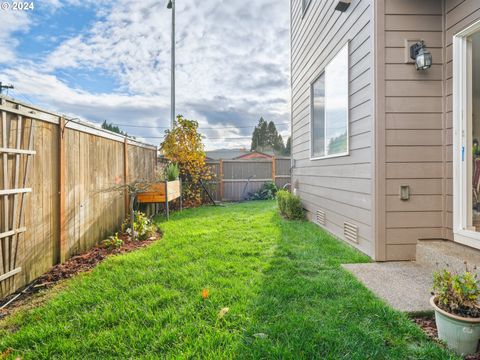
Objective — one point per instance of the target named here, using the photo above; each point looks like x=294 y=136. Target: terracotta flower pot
x=459 y=333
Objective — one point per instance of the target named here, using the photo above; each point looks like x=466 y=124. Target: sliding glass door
x=466 y=123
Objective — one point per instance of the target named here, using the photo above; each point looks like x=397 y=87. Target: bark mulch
x=75 y=265
x=427 y=324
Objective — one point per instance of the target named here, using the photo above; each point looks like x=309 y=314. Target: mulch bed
x=427 y=324
x=75 y=265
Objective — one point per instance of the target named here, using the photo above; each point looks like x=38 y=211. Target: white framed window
x=305 y=4
x=329 y=109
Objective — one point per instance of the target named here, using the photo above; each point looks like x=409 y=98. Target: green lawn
x=287 y=296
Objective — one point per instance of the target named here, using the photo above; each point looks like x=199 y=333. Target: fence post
x=221 y=180
x=167 y=208
x=274 y=170
x=125 y=173
x=61 y=180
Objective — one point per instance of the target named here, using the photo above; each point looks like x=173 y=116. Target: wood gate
x=15 y=157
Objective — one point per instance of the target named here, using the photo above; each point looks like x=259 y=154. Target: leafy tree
x=183 y=145
x=113 y=128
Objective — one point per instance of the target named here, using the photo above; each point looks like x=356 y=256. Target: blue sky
x=110 y=60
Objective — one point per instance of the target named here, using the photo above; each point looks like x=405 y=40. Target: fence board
x=94 y=163
x=235 y=179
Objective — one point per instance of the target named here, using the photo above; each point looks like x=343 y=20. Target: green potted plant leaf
x=172 y=172
x=457 y=312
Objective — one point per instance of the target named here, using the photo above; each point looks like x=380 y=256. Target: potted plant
x=165 y=188
x=457 y=312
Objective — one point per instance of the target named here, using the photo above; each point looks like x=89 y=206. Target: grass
x=287 y=295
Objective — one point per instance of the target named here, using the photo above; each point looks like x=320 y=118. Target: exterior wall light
x=343 y=5
x=419 y=53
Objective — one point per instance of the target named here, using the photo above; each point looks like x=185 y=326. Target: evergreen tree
x=113 y=128
x=255 y=139
x=272 y=135
x=279 y=147
x=288 y=147
x=265 y=138
x=262 y=135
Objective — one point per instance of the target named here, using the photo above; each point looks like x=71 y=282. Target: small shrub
x=267 y=192
x=172 y=172
x=143 y=226
x=457 y=294
x=112 y=242
x=290 y=205
x=282 y=200
x=294 y=208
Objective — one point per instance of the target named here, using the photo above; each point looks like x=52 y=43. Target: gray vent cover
x=351 y=232
x=321 y=217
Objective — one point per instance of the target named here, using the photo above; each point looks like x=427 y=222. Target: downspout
x=292 y=161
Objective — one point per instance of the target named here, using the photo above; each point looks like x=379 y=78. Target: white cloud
x=11 y=22
x=232 y=64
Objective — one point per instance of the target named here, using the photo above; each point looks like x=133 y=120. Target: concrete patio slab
x=404 y=285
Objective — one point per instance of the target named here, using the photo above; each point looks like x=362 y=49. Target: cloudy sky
x=110 y=60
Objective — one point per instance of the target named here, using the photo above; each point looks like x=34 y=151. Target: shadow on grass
x=310 y=308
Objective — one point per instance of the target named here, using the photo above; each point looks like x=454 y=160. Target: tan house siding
x=342 y=186
x=413 y=127
x=458 y=16
x=400 y=119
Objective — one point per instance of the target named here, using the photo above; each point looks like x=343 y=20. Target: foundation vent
x=351 y=232
x=321 y=217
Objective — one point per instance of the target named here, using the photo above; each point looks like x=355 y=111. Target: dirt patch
x=73 y=266
x=429 y=327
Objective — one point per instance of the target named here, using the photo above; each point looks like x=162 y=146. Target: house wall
x=413 y=119
x=409 y=123
x=342 y=186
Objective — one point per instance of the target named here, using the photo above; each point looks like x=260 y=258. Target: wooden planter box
x=156 y=192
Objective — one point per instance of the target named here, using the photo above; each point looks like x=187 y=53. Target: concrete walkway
x=406 y=286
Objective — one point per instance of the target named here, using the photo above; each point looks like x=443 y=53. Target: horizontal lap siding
x=414 y=131
x=342 y=187
x=459 y=15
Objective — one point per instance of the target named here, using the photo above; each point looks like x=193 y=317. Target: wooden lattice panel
x=16 y=148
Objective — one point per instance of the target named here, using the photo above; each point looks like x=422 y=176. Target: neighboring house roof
x=226 y=154
x=237 y=154
x=254 y=155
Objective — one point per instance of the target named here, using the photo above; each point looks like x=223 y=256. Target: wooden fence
x=235 y=179
x=56 y=197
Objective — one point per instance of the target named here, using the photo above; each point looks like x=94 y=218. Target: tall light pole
x=171 y=5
